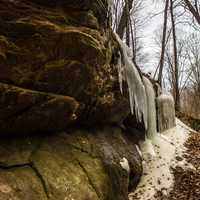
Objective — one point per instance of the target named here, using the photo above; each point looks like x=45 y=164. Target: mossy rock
x=78 y=164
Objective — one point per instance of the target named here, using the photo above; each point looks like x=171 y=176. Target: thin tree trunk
x=163 y=43
x=176 y=71
x=124 y=18
x=133 y=41
x=194 y=11
x=128 y=26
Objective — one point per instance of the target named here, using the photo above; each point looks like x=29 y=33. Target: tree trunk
x=133 y=39
x=163 y=43
x=128 y=26
x=124 y=18
x=176 y=71
x=193 y=10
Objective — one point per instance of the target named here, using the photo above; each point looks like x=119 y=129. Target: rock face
x=61 y=111
x=25 y=111
x=77 y=164
x=59 y=47
x=56 y=77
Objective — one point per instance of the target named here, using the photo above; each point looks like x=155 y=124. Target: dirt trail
x=187 y=183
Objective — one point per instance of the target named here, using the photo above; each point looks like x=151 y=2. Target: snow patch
x=148 y=150
x=185 y=126
x=159 y=155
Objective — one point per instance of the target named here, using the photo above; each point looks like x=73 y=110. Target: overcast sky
x=154 y=25
x=151 y=26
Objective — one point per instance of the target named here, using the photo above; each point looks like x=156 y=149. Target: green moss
x=56 y=64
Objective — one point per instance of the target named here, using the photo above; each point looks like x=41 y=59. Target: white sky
x=152 y=24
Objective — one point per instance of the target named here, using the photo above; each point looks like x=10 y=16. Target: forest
x=171 y=55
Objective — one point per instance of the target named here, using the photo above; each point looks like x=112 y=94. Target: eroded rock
x=64 y=48
x=21 y=183
x=24 y=111
x=79 y=164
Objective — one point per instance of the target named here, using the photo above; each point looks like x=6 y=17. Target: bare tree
x=127 y=23
x=125 y=18
x=191 y=90
x=176 y=69
x=161 y=64
x=194 y=9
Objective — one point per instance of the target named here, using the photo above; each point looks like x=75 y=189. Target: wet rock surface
x=77 y=164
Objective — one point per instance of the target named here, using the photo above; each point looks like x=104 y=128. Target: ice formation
x=138 y=150
x=124 y=164
x=151 y=106
x=148 y=150
x=165 y=112
x=157 y=175
x=110 y=3
x=137 y=94
x=120 y=72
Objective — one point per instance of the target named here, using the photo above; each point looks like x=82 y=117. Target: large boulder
x=63 y=48
x=78 y=164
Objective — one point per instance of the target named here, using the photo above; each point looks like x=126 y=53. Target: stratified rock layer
x=24 y=111
x=64 y=48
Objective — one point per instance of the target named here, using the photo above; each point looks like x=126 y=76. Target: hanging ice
x=125 y=164
x=166 y=112
x=128 y=71
x=151 y=106
x=110 y=3
x=120 y=72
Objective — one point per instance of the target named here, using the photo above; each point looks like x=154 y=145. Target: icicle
x=151 y=105
x=137 y=94
x=139 y=151
x=166 y=112
x=125 y=164
x=110 y=3
x=120 y=71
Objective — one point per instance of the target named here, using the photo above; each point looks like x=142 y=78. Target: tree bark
x=193 y=10
x=124 y=18
x=176 y=70
x=128 y=26
x=133 y=39
x=163 y=43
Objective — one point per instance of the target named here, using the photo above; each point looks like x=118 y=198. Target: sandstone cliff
x=60 y=105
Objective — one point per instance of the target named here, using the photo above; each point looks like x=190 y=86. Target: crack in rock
x=89 y=180
x=37 y=173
